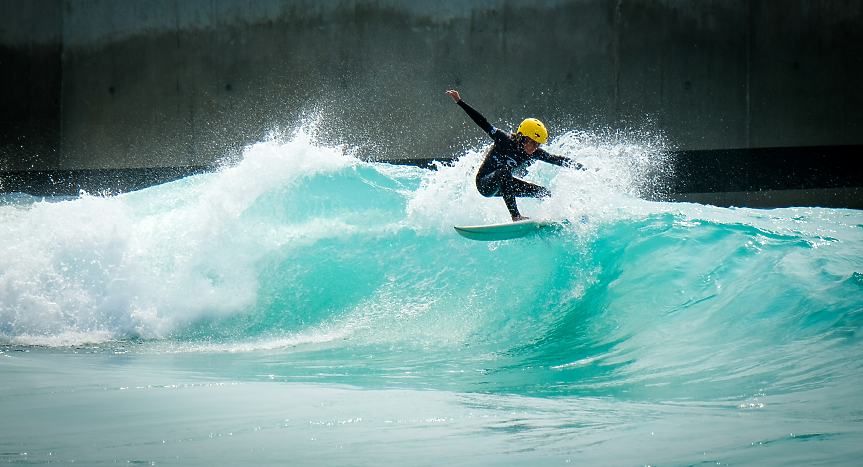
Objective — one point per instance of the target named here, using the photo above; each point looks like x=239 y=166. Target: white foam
x=140 y=264
x=627 y=166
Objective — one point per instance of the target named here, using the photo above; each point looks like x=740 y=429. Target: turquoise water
x=303 y=307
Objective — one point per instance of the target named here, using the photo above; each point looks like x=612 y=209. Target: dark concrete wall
x=30 y=84
x=167 y=83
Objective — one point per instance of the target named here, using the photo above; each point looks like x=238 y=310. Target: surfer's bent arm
x=543 y=155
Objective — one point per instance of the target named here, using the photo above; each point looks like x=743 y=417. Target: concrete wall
x=95 y=84
x=30 y=84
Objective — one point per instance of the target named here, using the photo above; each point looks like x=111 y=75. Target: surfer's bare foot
x=519 y=218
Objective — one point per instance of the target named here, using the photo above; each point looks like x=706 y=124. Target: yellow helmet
x=534 y=129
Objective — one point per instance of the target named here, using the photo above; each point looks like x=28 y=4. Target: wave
x=303 y=246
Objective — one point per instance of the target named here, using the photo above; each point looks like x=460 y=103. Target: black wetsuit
x=505 y=158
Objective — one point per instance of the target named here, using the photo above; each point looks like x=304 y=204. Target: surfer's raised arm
x=472 y=113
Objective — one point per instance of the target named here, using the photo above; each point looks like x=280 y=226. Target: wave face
x=305 y=259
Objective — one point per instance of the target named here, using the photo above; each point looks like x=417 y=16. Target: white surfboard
x=499 y=231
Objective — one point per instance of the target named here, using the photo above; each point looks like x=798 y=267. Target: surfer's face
x=530 y=146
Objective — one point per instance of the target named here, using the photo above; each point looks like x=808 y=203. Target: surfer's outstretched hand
x=454 y=94
x=578 y=166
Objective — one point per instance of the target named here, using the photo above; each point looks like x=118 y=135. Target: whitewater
x=302 y=306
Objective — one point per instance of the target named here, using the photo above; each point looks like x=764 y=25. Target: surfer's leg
x=528 y=190
x=502 y=183
x=513 y=187
x=489 y=185
x=509 y=199
x=499 y=183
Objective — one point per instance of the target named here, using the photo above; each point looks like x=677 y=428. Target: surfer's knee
x=487 y=191
x=488 y=186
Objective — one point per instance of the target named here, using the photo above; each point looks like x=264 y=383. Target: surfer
x=510 y=156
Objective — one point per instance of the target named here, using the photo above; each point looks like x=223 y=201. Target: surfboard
x=494 y=232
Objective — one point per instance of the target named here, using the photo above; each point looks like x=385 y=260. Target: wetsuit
x=506 y=158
